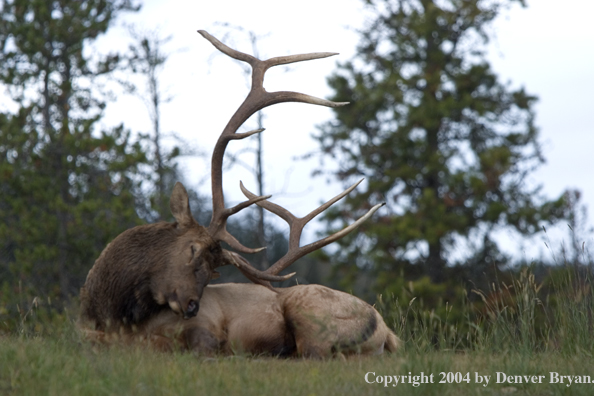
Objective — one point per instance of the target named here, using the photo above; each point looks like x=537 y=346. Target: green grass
x=65 y=366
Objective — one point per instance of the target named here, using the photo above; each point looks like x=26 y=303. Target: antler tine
x=238 y=136
x=225 y=236
x=285 y=60
x=296 y=254
x=257 y=276
x=331 y=202
x=227 y=50
x=296 y=226
x=279 y=60
x=257 y=99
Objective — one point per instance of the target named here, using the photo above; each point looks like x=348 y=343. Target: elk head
x=186 y=258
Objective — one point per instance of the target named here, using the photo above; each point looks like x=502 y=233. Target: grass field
x=65 y=366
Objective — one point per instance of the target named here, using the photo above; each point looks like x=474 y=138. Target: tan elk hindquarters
x=327 y=322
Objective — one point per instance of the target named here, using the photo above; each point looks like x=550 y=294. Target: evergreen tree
x=437 y=136
x=66 y=188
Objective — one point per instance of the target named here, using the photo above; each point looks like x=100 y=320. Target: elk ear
x=180 y=205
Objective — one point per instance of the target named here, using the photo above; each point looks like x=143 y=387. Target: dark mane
x=121 y=277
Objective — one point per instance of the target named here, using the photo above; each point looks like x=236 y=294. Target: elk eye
x=193 y=250
x=216 y=250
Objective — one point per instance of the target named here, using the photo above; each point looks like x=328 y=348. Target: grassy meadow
x=65 y=366
x=535 y=333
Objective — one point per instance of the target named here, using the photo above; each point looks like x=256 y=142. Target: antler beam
x=257 y=99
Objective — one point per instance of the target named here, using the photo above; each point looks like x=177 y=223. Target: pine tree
x=67 y=188
x=437 y=136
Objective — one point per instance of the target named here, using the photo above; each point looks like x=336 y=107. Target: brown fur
x=308 y=320
x=148 y=268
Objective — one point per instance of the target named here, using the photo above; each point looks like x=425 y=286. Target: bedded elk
x=305 y=320
x=308 y=320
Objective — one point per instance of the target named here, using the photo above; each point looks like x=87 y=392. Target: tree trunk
x=435 y=264
x=262 y=240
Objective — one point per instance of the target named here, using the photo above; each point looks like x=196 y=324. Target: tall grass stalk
x=526 y=315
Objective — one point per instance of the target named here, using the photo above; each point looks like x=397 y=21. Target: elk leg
x=202 y=341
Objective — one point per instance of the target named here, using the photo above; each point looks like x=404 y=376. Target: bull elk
x=153 y=267
x=150 y=282
x=305 y=320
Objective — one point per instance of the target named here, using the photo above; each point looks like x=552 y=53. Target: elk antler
x=296 y=225
x=257 y=99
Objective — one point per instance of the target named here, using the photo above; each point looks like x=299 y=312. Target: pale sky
x=548 y=48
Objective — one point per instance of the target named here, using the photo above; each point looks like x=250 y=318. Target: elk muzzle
x=188 y=309
x=191 y=309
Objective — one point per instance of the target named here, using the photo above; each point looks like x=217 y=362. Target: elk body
x=310 y=321
x=150 y=282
